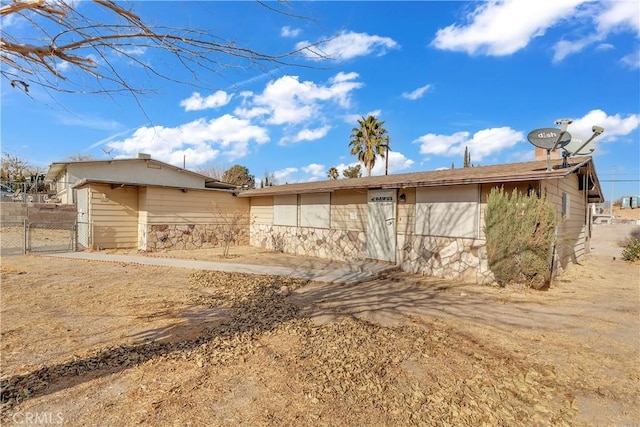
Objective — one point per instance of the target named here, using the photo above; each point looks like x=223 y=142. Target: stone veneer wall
x=189 y=236
x=343 y=245
x=446 y=257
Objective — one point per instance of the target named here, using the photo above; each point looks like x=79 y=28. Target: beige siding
x=315 y=210
x=114 y=216
x=262 y=210
x=285 y=210
x=571 y=231
x=173 y=206
x=448 y=211
x=349 y=210
x=407 y=211
x=522 y=187
x=143 y=218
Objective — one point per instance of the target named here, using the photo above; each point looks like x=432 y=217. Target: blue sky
x=441 y=75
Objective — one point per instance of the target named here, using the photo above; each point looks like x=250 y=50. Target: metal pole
x=25 y=229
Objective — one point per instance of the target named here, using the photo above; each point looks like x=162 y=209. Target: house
x=425 y=222
x=145 y=204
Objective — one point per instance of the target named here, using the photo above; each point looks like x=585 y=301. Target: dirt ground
x=626 y=214
x=90 y=343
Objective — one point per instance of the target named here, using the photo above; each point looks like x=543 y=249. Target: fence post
x=25 y=234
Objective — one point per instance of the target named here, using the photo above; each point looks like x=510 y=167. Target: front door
x=381 y=225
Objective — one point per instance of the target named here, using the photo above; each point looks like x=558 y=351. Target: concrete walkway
x=345 y=273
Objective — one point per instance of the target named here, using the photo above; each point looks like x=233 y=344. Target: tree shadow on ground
x=235 y=320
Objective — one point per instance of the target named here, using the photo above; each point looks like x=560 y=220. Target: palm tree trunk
x=386 y=161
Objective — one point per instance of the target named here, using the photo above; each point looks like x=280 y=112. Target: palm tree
x=369 y=141
x=333 y=173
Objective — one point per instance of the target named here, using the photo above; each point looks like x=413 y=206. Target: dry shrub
x=632 y=251
x=520 y=233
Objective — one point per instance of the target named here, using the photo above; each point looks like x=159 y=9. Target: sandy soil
x=87 y=343
x=626 y=214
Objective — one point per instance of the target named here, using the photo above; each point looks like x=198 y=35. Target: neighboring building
x=146 y=204
x=426 y=222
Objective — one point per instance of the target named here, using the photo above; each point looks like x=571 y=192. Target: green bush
x=519 y=230
x=632 y=251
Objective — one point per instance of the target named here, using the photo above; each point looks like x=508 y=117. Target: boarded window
x=450 y=211
x=315 y=210
x=285 y=210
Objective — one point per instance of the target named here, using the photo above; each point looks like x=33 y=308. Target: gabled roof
x=511 y=172
x=57 y=167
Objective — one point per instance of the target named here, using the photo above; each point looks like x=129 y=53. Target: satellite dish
x=549 y=138
x=580 y=146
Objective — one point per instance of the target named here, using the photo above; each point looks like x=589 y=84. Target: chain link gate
x=37 y=237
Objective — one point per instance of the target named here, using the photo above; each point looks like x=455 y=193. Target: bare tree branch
x=69 y=40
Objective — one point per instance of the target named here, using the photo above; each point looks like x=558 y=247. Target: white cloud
x=196 y=102
x=290 y=32
x=500 y=28
x=283 y=176
x=88 y=121
x=604 y=46
x=619 y=15
x=347 y=45
x=632 y=60
x=564 y=48
x=62 y=66
x=290 y=101
x=307 y=135
x=607 y=17
x=203 y=140
x=614 y=126
x=397 y=162
x=315 y=171
x=353 y=118
x=416 y=94
x=483 y=143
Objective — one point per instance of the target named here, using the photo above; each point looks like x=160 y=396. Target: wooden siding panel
x=349 y=210
x=262 y=210
x=172 y=206
x=571 y=230
x=522 y=187
x=407 y=211
x=114 y=217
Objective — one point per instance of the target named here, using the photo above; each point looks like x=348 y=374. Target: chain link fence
x=12 y=238
x=20 y=238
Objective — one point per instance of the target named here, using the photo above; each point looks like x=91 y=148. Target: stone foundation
x=449 y=258
x=342 y=245
x=446 y=257
x=188 y=236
